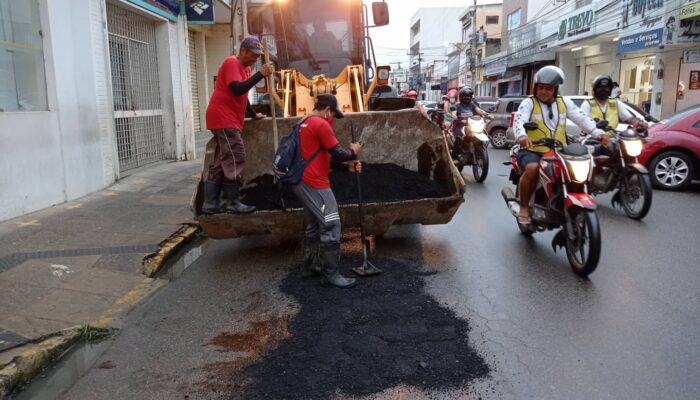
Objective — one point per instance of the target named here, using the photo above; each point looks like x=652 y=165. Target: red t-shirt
x=226 y=110
x=316 y=132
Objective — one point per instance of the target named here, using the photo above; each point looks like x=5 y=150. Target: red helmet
x=411 y=93
x=452 y=93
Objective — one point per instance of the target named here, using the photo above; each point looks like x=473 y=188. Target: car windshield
x=680 y=115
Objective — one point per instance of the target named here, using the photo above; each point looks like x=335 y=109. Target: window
x=22 y=78
x=491 y=19
x=513 y=105
x=514 y=19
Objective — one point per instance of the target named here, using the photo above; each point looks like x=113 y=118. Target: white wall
x=691 y=97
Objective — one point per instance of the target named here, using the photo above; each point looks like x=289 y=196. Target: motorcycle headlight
x=476 y=125
x=579 y=169
x=633 y=148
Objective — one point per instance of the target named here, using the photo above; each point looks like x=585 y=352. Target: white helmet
x=550 y=75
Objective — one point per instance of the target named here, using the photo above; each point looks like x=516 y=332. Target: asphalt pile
x=380 y=183
x=383 y=333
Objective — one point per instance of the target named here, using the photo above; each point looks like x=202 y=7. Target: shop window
x=491 y=19
x=22 y=77
x=514 y=20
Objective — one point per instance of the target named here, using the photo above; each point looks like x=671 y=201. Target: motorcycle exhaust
x=511 y=200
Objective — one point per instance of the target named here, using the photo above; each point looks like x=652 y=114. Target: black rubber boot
x=329 y=257
x=235 y=206
x=212 y=191
x=311 y=266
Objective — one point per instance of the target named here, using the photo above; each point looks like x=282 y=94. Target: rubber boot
x=311 y=265
x=329 y=257
x=235 y=206
x=212 y=191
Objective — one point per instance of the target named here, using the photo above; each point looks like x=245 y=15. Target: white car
x=572 y=130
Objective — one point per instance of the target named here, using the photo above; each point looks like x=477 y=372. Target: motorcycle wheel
x=583 y=249
x=480 y=168
x=635 y=195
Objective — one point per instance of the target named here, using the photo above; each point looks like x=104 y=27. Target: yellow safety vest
x=544 y=131
x=609 y=115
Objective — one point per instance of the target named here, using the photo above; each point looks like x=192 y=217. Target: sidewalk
x=81 y=262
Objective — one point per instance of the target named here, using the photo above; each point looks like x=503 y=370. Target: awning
x=533 y=58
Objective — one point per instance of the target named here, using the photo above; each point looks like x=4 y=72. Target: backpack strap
x=317 y=151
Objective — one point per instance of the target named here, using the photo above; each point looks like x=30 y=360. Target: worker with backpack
x=303 y=160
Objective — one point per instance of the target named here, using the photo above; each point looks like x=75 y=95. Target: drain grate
x=16 y=259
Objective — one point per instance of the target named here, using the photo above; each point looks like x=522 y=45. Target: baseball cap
x=330 y=101
x=252 y=44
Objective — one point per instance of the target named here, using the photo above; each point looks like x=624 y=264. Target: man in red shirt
x=225 y=114
x=322 y=238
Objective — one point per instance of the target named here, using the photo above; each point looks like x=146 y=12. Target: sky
x=391 y=42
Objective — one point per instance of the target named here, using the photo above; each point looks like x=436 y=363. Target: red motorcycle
x=561 y=201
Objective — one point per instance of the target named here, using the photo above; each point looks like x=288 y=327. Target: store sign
x=640 y=41
x=691 y=10
x=642 y=24
x=679 y=29
x=495 y=68
x=691 y=56
x=166 y=8
x=577 y=25
x=200 y=11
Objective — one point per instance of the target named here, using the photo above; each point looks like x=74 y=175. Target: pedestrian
x=322 y=236
x=225 y=113
x=616 y=92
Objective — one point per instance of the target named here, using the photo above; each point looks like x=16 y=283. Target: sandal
x=523 y=220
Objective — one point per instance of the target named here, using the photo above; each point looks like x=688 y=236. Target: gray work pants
x=321 y=213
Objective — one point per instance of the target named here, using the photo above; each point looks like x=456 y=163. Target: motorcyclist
x=549 y=110
x=413 y=94
x=602 y=107
x=450 y=107
x=466 y=108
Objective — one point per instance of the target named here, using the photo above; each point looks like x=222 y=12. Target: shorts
x=527 y=157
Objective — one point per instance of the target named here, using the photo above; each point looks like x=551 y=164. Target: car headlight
x=633 y=148
x=579 y=169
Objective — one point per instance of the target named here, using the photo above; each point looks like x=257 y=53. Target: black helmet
x=466 y=94
x=601 y=80
x=550 y=75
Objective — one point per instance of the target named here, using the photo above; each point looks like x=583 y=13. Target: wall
x=57 y=155
x=508 y=7
x=218 y=47
x=437 y=26
x=692 y=97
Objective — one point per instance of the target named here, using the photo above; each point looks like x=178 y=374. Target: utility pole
x=472 y=59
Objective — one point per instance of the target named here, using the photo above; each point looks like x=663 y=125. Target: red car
x=672 y=152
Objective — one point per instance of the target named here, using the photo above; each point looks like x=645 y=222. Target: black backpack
x=288 y=165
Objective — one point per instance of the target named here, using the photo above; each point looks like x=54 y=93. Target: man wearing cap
x=225 y=113
x=322 y=237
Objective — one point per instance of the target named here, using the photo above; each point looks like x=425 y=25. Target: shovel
x=367 y=268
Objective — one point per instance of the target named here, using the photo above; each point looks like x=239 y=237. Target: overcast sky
x=391 y=42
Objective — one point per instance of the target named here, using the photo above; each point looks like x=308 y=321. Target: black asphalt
x=629 y=331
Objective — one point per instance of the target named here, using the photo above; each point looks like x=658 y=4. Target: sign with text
x=640 y=41
x=642 y=20
x=577 y=26
x=679 y=29
x=691 y=56
x=200 y=11
x=691 y=10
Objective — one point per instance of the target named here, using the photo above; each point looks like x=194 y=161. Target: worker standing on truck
x=225 y=113
x=322 y=236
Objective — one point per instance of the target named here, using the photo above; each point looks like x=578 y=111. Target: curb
x=31 y=361
x=153 y=263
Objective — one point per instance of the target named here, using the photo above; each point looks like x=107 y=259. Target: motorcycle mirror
x=602 y=124
x=531 y=126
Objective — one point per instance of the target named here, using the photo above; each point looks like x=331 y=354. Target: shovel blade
x=366 y=269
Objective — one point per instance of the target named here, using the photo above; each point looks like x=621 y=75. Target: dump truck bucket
x=404 y=138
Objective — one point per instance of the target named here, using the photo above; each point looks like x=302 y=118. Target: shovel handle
x=359 y=193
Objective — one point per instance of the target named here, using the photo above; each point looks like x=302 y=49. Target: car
x=672 y=150
x=498 y=126
x=573 y=131
x=486 y=103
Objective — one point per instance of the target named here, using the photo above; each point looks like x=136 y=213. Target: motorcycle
x=468 y=145
x=621 y=170
x=561 y=201
x=465 y=152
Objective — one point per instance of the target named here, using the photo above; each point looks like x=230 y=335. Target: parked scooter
x=561 y=201
x=620 y=170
